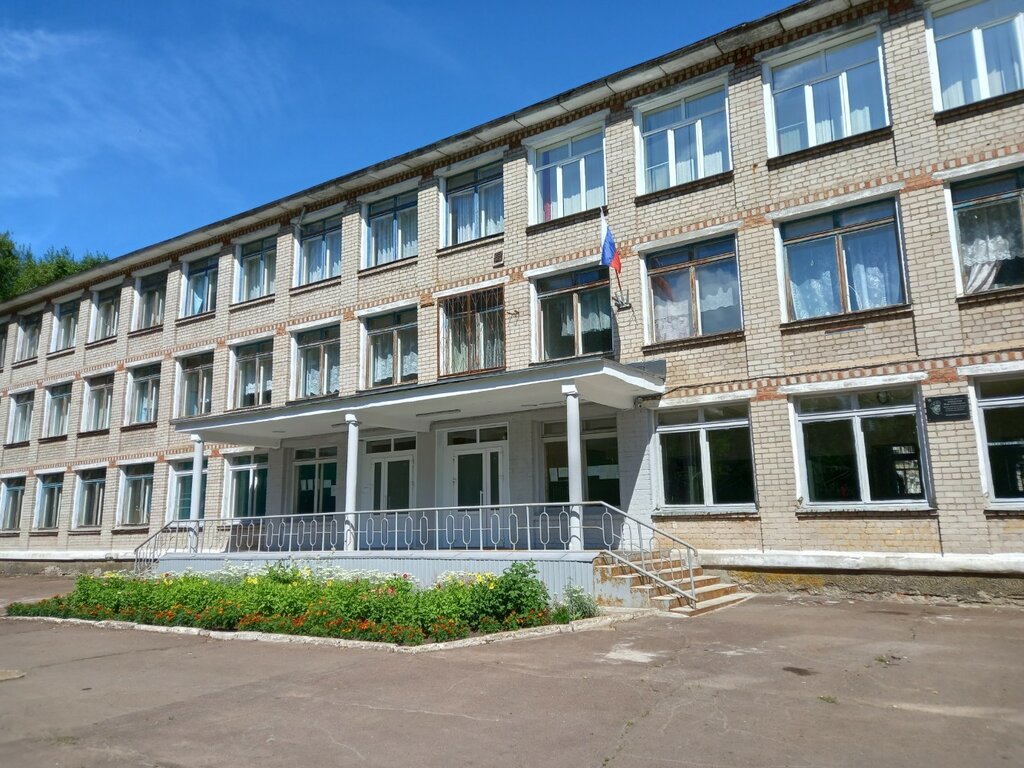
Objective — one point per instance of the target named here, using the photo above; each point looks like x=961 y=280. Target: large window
x=180 y=482
x=3 y=346
x=248 y=485
x=830 y=94
x=843 y=261
x=50 y=490
x=28 y=337
x=861 y=447
x=196 y=394
x=320 y=255
x=151 y=292
x=979 y=50
x=136 y=494
x=695 y=290
x=65 y=325
x=254 y=374
x=144 y=394
x=200 y=294
x=58 y=407
x=393 y=230
x=99 y=396
x=319 y=353
x=990 y=233
x=316 y=479
x=257 y=263
x=92 y=484
x=685 y=141
x=392 y=348
x=12 y=494
x=473 y=332
x=476 y=204
x=570 y=176
x=106 y=308
x=1001 y=407
x=706 y=456
x=575 y=313
x=20 y=429
x=599 y=458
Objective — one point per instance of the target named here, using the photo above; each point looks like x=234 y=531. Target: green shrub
x=579 y=603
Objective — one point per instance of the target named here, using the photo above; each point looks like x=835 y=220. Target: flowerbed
x=291 y=600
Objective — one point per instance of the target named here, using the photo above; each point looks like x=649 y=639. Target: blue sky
x=125 y=123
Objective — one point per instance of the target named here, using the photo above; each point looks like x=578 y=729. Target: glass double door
x=388 y=487
x=479 y=488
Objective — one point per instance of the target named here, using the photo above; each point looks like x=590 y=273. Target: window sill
x=191 y=319
x=703 y=513
x=685 y=188
x=83 y=531
x=94 y=433
x=139 y=427
x=847 y=322
x=982 y=107
x=591 y=214
x=129 y=529
x=19 y=444
x=467 y=375
x=388 y=388
x=330 y=396
x=238 y=306
x=97 y=343
x=391 y=265
x=693 y=341
x=853 y=511
x=251 y=408
x=609 y=355
x=41 y=532
x=24 y=363
x=59 y=353
x=991 y=297
x=145 y=331
x=52 y=439
x=10 y=534
x=469 y=245
x=1009 y=510
x=327 y=282
x=821 y=150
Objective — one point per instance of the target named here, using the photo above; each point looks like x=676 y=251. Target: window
x=21 y=417
x=248 y=485
x=473 y=332
x=476 y=204
x=861 y=447
x=599 y=460
x=50 y=489
x=10 y=503
x=65 y=325
x=320 y=257
x=844 y=261
x=256 y=269
x=575 y=313
x=152 y=290
x=978 y=47
x=393 y=229
x=1001 y=409
x=200 y=294
x=28 y=337
x=706 y=456
x=570 y=176
x=196 y=395
x=685 y=141
x=58 y=406
x=136 y=494
x=99 y=395
x=319 y=353
x=106 y=308
x=180 y=503
x=3 y=346
x=695 y=290
x=254 y=374
x=316 y=480
x=392 y=348
x=391 y=463
x=828 y=95
x=144 y=394
x=89 y=504
x=990 y=234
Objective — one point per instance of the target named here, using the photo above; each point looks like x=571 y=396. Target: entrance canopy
x=417 y=408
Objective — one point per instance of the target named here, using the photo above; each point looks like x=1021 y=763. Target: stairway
x=711 y=591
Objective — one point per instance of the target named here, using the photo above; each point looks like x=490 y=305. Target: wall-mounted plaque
x=948 y=408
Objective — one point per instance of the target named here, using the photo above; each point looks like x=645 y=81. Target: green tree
x=21 y=271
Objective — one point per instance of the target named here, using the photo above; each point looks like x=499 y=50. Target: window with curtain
x=257 y=265
x=92 y=485
x=695 y=290
x=28 y=337
x=978 y=48
x=98 y=398
x=106 y=308
x=58 y=406
x=569 y=176
x=50 y=490
x=247 y=485
x=476 y=204
x=151 y=290
x=196 y=397
x=144 y=394
x=392 y=348
x=319 y=354
x=137 y=495
x=843 y=261
x=473 y=332
x=200 y=286
x=12 y=494
x=828 y=95
x=393 y=229
x=989 y=216
x=685 y=141
x=254 y=374
x=65 y=325
x=575 y=313
x=320 y=252
x=1001 y=409
x=20 y=429
x=181 y=490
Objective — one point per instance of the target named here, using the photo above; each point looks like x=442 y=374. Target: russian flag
x=609 y=251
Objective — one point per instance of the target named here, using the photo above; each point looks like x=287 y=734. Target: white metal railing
x=592 y=526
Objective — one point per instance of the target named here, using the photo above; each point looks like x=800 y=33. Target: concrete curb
x=581 y=625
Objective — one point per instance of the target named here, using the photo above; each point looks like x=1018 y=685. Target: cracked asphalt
x=776 y=681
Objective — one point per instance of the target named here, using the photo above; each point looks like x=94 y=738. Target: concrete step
x=673 y=574
x=620 y=569
x=708 y=593
x=654 y=588
x=705 y=606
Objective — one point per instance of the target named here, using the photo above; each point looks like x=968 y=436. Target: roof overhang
x=597 y=380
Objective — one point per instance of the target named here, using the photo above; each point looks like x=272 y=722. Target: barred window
x=473 y=332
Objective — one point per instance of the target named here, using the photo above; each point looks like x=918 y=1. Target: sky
x=125 y=123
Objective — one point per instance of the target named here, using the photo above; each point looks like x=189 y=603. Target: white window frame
x=366 y=358
x=130 y=400
x=444 y=327
x=245 y=462
x=123 y=493
x=206 y=371
x=267 y=255
x=4 y=330
x=295 y=386
x=334 y=267
x=48 y=410
x=319 y=462
x=978 y=407
x=5 y=501
x=140 y=278
x=392 y=194
x=211 y=263
x=535 y=145
x=14 y=397
x=78 y=509
x=98 y=292
x=41 y=488
x=446 y=230
x=20 y=353
x=59 y=309
x=88 y=405
x=177 y=470
x=537 y=324
x=234 y=393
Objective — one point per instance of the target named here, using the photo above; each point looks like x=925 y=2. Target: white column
x=197 y=493
x=573 y=442
x=351 y=478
